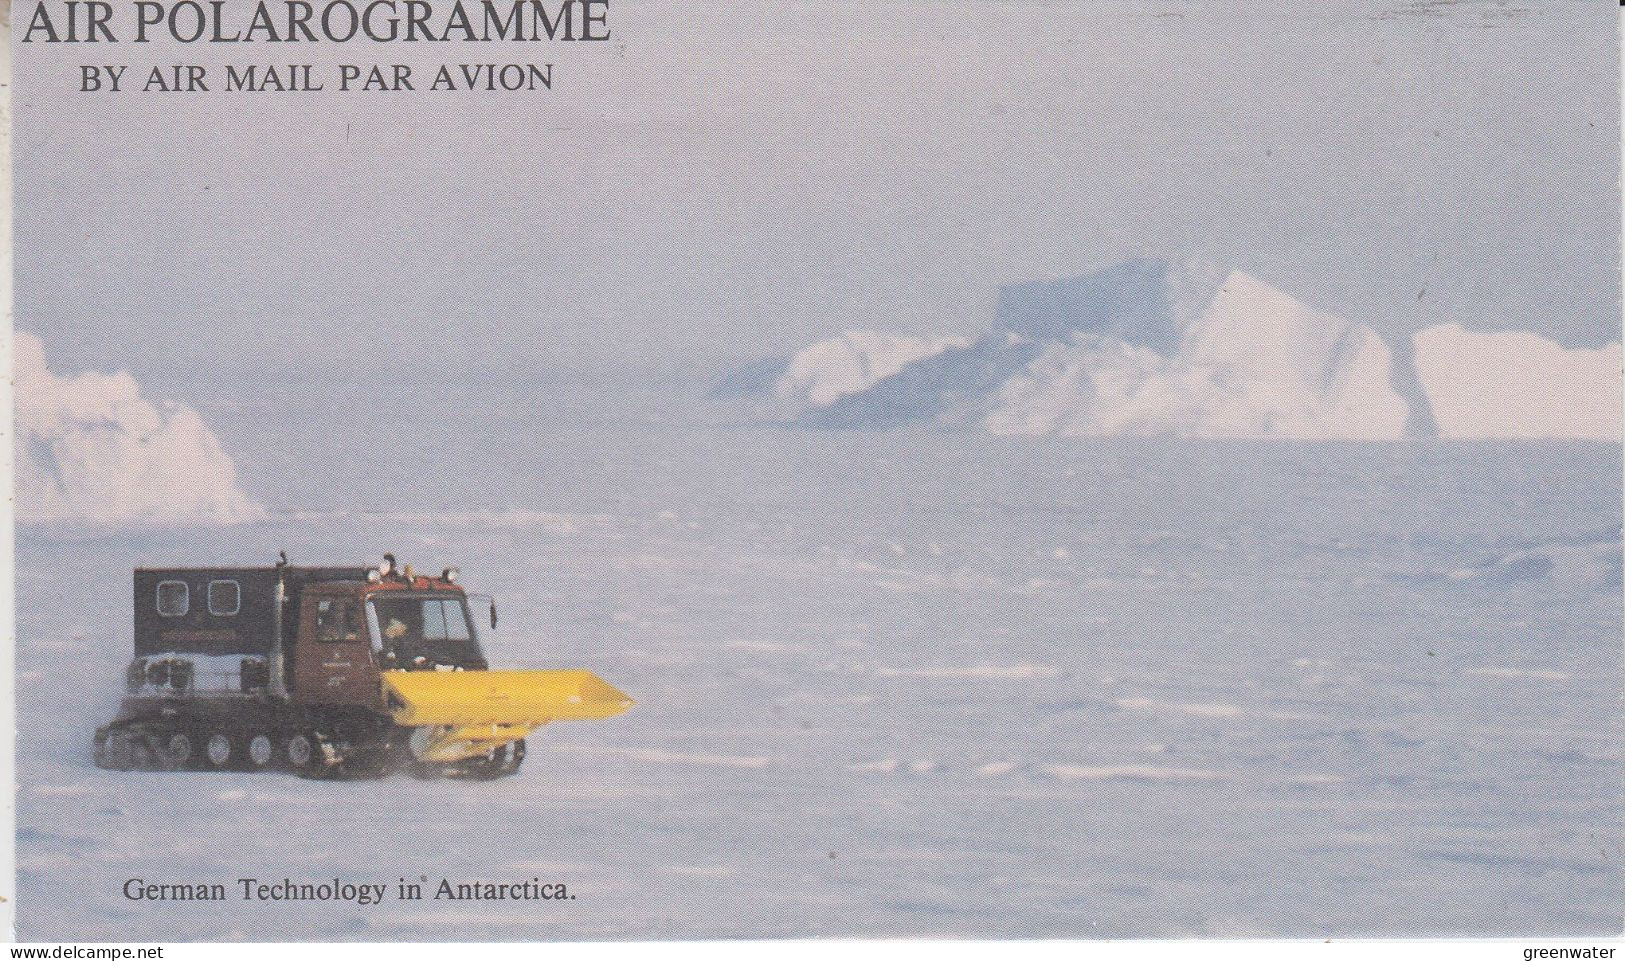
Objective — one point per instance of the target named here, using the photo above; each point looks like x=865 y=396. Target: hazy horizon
x=1402 y=165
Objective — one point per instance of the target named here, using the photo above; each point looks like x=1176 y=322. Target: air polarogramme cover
x=1086 y=469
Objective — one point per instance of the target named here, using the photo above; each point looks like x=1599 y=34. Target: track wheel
x=103 y=747
x=115 y=752
x=258 y=750
x=142 y=750
x=309 y=754
x=219 y=750
x=176 y=750
x=158 y=751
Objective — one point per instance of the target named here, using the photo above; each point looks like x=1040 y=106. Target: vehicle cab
x=350 y=632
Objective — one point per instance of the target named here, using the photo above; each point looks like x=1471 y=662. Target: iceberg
x=752 y=379
x=1239 y=359
x=1158 y=347
x=950 y=387
x=91 y=450
x=1518 y=384
x=1145 y=302
x=819 y=375
x=1142 y=347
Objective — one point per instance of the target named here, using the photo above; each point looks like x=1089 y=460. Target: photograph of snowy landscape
x=1090 y=470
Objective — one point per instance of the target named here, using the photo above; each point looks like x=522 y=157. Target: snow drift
x=1593 y=564
x=90 y=449
x=1518 y=384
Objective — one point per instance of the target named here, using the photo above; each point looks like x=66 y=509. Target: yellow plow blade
x=499 y=699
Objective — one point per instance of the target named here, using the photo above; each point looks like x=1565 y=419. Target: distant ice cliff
x=1240 y=359
x=90 y=449
x=1152 y=347
x=1518 y=384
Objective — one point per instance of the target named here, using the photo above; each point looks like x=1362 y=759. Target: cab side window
x=337 y=621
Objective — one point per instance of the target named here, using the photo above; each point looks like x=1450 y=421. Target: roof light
x=388 y=566
x=373 y=576
x=449 y=575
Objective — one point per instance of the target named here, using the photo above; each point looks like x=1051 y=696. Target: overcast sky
x=735 y=179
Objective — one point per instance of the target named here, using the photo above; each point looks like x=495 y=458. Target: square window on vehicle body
x=174 y=598
x=225 y=598
x=337 y=621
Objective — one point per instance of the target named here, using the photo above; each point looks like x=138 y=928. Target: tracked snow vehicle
x=330 y=672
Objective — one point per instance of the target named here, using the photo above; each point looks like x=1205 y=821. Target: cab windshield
x=423 y=633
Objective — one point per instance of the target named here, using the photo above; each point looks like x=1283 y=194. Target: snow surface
x=1593 y=561
x=91 y=450
x=851 y=363
x=1519 y=384
x=902 y=684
